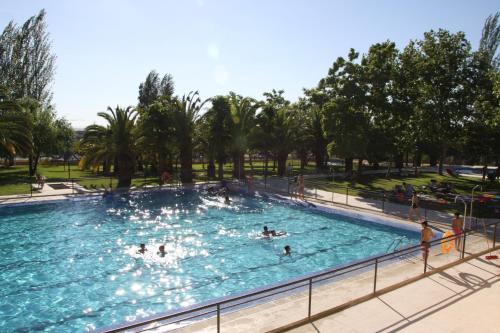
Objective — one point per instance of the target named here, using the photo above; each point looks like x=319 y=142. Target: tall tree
x=490 y=40
x=27 y=65
x=243 y=118
x=346 y=119
x=444 y=70
x=186 y=113
x=219 y=124
x=15 y=127
x=113 y=142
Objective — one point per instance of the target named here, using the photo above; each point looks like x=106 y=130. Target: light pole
x=472 y=201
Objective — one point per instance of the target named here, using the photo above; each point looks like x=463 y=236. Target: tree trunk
x=125 y=171
x=186 y=157
x=221 y=171
x=211 y=168
x=238 y=163
x=282 y=157
x=348 y=166
x=360 y=166
x=441 y=161
x=266 y=163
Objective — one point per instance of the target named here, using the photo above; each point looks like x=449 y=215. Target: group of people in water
x=161 y=250
x=287 y=250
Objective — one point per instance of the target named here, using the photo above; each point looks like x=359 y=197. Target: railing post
x=347 y=196
x=383 y=203
x=495 y=235
x=426 y=257
x=375 y=276
x=315 y=193
x=218 y=318
x=332 y=196
x=31 y=188
x=463 y=246
x=310 y=298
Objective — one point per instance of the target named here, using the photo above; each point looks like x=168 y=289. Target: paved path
x=391 y=208
x=461 y=299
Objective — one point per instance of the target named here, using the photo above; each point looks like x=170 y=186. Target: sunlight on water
x=71 y=266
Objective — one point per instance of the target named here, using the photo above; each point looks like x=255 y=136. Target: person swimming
x=268 y=232
x=287 y=250
x=161 y=251
x=142 y=249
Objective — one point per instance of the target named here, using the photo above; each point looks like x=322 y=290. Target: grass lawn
x=15 y=180
x=460 y=185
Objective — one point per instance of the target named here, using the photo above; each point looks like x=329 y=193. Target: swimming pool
x=73 y=265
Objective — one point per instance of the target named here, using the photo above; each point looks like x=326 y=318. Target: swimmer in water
x=268 y=232
x=161 y=251
x=287 y=250
x=142 y=249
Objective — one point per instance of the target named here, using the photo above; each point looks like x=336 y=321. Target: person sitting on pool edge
x=287 y=250
x=161 y=251
x=142 y=249
x=268 y=232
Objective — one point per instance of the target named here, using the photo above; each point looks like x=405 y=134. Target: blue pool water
x=73 y=266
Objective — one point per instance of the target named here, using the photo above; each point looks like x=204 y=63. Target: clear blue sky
x=106 y=48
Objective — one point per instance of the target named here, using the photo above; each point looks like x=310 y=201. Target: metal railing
x=219 y=307
x=386 y=201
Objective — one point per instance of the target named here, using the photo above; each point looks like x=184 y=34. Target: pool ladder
x=395 y=243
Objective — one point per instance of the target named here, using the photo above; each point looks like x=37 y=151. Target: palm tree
x=113 y=143
x=285 y=131
x=243 y=116
x=219 y=124
x=186 y=113
x=15 y=127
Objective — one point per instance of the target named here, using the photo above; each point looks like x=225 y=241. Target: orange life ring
x=447 y=244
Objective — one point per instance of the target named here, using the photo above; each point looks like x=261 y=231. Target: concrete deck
x=464 y=298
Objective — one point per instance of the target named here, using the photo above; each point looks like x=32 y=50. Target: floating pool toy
x=447 y=244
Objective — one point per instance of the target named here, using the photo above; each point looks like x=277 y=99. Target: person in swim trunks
x=457 y=225
x=426 y=237
x=414 y=207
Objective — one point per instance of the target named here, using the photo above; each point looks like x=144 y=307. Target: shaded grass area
x=375 y=186
x=15 y=179
x=460 y=185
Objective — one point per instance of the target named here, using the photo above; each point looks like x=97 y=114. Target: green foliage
x=114 y=143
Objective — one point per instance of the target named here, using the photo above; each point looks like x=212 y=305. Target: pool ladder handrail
x=396 y=242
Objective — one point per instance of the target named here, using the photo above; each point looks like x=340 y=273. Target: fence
x=315 y=292
x=387 y=201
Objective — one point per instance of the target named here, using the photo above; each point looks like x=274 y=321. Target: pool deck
x=460 y=299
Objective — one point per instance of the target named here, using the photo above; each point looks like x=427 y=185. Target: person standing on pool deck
x=457 y=225
x=301 y=186
x=426 y=237
x=414 y=206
